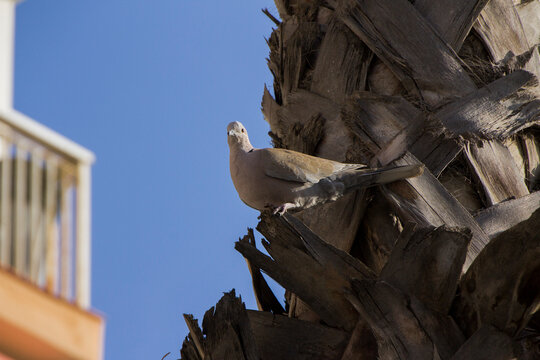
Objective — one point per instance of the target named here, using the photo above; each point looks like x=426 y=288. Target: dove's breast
x=254 y=187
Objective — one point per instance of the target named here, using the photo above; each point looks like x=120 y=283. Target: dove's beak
x=231 y=133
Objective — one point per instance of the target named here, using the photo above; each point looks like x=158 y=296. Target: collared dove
x=281 y=180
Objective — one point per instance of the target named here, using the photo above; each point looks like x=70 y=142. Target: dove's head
x=237 y=136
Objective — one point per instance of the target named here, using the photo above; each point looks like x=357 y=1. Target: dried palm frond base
x=442 y=266
x=419 y=307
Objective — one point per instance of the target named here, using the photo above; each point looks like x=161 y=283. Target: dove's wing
x=295 y=166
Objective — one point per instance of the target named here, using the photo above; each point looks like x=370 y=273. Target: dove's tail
x=354 y=180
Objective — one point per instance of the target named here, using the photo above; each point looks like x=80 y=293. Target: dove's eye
x=243 y=130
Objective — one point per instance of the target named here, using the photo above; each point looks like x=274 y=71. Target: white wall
x=7 y=36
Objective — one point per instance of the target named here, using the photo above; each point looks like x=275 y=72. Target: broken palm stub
x=418 y=307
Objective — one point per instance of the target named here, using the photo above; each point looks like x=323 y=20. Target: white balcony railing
x=45 y=207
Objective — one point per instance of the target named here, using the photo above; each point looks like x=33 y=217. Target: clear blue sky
x=150 y=86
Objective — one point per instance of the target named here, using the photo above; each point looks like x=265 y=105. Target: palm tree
x=442 y=266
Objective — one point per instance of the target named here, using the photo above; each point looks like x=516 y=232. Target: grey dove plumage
x=281 y=180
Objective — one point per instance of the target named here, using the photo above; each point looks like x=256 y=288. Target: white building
x=44 y=232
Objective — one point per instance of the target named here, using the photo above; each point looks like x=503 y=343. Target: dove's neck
x=241 y=145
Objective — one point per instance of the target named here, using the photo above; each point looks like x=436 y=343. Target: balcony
x=45 y=244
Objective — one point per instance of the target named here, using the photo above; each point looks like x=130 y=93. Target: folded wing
x=298 y=167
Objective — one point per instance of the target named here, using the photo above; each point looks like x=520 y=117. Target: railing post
x=21 y=216
x=37 y=235
x=51 y=233
x=6 y=207
x=66 y=230
x=83 y=234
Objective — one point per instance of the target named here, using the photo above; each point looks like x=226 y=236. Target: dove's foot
x=282 y=209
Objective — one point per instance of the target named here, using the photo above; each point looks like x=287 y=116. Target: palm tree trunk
x=436 y=266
